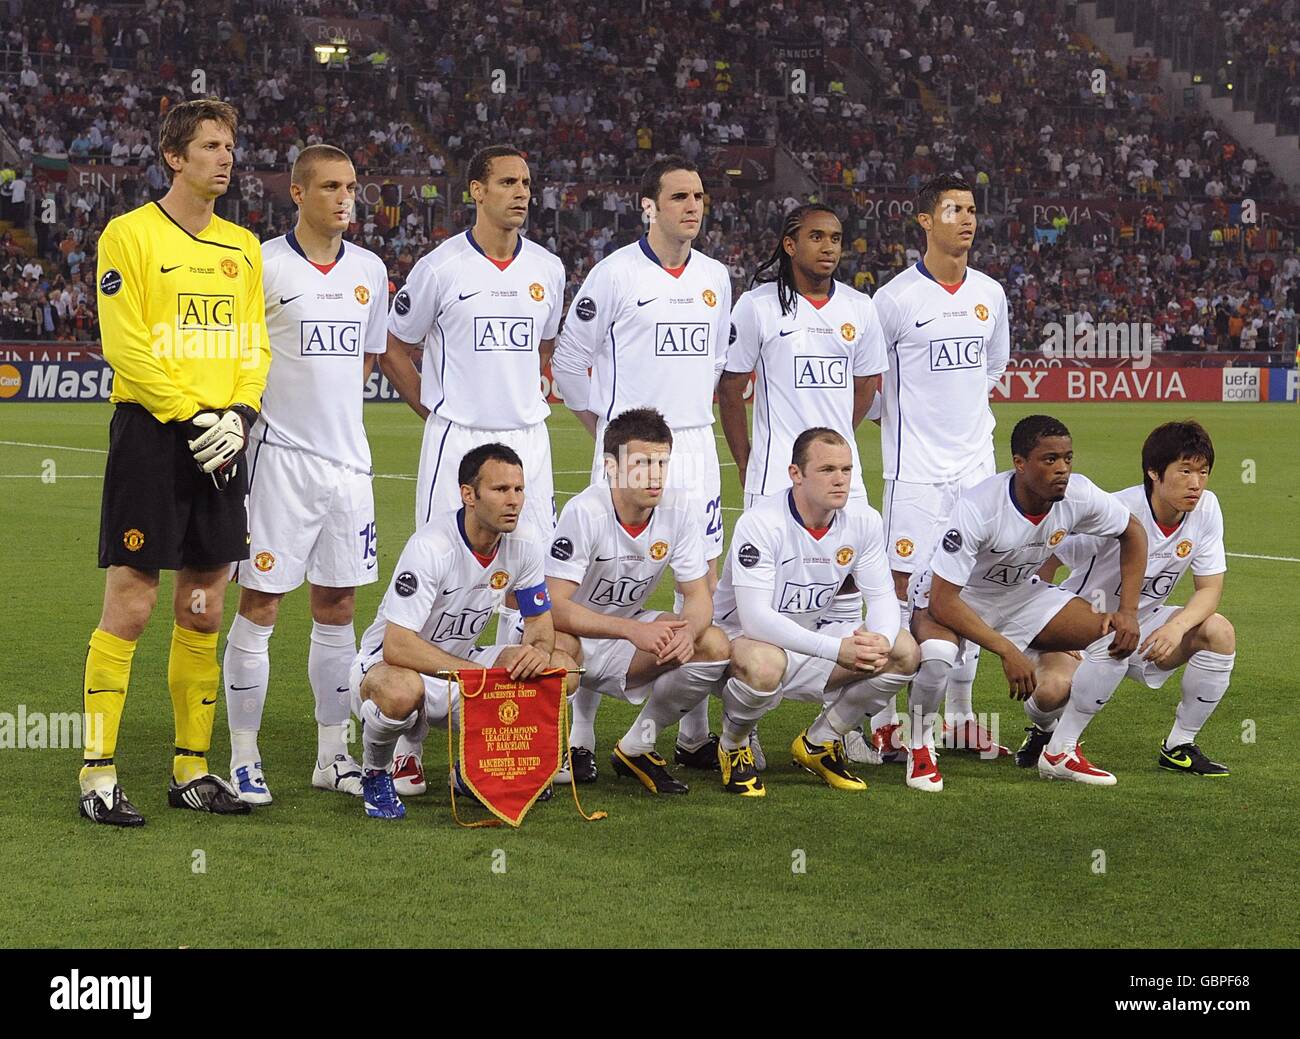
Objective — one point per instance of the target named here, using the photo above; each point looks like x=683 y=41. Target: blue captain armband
x=534 y=600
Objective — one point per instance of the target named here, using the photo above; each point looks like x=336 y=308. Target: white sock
x=674 y=696
x=693 y=729
x=582 y=726
x=510 y=627
x=923 y=699
x=1092 y=687
x=742 y=706
x=889 y=714
x=379 y=734
x=961 y=680
x=246 y=672
x=855 y=700
x=1045 y=720
x=329 y=659
x=1204 y=682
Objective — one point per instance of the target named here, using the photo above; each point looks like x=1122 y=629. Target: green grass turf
x=1001 y=858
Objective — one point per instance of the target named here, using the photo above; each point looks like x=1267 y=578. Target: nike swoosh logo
x=643 y=302
x=168 y=270
x=603 y=559
x=450 y=591
x=1101 y=703
x=92 y=692
x=370 y=566
x=789 y=333
x=241 y=688
x=922 y=324
x=785 y=562
x=342 y=689
x=1201 y=698
x=1182 y=762
x=285 y=302
x=209 y=702
x=467 y=295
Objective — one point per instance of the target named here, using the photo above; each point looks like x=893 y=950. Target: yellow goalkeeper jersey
x=182 y=317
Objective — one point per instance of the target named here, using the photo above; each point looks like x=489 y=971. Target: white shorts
x=916 y=513
x=440 y=696
x=693 y=473
x=437 y=486
x=308 y=518
x=806 y=676
x=1145 y=672
x=1018 y=616
x=607 y=661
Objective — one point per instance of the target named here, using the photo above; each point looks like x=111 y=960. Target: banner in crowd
x=810 y=56
x=355 y=32
x=92 y=380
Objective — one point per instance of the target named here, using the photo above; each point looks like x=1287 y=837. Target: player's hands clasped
x=863 y=651
x=530 y=663
x=1124 y=624
x=221 y=440
x=1019 y=670
x=658 y=636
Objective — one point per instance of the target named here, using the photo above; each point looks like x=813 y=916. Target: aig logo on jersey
x=1009 y=574
x=812 y=372
x=681 y=339
x=468 y=624
x=626 y=591
x=952 y=354
x=201 y=312
x=1157 y=586
x=512 y=334
x=329 y=338
x=806 y=598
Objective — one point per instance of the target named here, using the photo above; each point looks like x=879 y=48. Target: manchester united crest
x=133 y=539
x=710 y=297
x=904 y=547
x=848 y=331
x=1183 y=548
x=981 y=311
x=264 y=561
x=1057 y=537
x=229 y=268
x=362 y=293
x=498 y=580
x=508 y=713
x=658 y=550
x=844 y=556
x=537 y=292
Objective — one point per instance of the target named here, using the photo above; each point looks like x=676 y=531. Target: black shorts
x=160 y=512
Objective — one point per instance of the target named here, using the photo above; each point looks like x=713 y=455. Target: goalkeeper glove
x=222 y=437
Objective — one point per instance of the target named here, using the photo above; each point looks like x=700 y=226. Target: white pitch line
x=55 y=447
x=1275 y=559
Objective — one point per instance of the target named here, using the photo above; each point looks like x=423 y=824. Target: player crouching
x=982 y=586
x=450 y=578
x=1184 y=528
x=789 y=556
x=611 y=547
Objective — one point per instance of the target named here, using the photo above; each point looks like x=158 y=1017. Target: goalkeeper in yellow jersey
x=183 y=324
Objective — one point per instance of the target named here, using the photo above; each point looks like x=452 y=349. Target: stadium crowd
x=1000 y=92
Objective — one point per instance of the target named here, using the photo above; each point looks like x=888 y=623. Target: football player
x=611 y=546
x=789 y=556
x=311 y=510
x=452 y=575
x=1184 y=528
x=981 y=586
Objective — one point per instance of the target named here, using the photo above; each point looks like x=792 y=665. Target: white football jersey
x=442 y=590
x=614 y=569
x=946 y=350
x=481 y=327
x=1196 y=544
x=804 y=365
x=772 y=550
x=320 y=326
x=992 y=548
x=651 y=340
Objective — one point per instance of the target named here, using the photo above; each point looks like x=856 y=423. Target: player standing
x=1184 y=528
x=946 y=330
x=982 y=586
x=612 y=544
x=486 y=305
x=651 y=322
x=311 y=509
x=180 y=305
x=789 y=556
x=816 y=350
x=454 y=572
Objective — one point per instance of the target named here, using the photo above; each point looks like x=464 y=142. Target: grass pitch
x=1000 y=858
